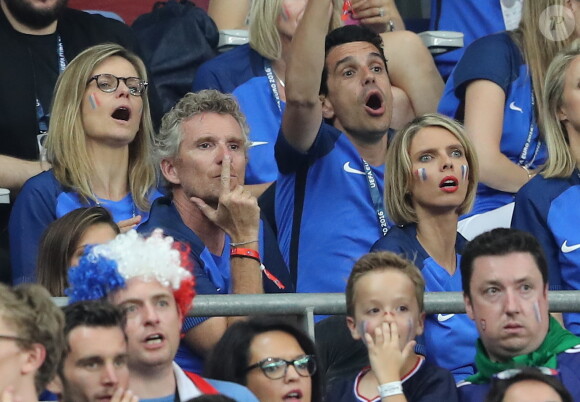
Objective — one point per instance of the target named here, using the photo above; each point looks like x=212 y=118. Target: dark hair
x=90 y=313
x=230 y=357
x=59 y=242
x=348 y=34
x=499 y=388
x=500 y=242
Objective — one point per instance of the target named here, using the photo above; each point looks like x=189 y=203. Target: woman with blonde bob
x=99 y=145
x=431 y=181
x=547 y=206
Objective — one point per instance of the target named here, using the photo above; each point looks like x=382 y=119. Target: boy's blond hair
x=383 y=261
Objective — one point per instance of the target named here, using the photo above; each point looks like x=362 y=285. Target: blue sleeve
x=236 y=391
x=290 y=159
x=492 y=58
x=203 y=283
x=531 y=215
x=33 y=211
x=386 y=243
x=203 y=286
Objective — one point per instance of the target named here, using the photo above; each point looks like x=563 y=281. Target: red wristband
x=245 y=253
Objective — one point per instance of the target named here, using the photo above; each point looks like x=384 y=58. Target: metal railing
x=307 y=305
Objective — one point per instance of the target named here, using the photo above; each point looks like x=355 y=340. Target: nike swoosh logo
x=348 y=169
x=567 y=249
x=575 y=349
x=444 y=317
x=516 y=108
x=256 y=143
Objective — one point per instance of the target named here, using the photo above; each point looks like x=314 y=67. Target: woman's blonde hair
x=66 y=143
x=264 y=35
x=561 y=162
x=398 y=171
x=537 y=47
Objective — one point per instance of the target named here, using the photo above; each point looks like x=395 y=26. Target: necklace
x=133 y=207
x=279 y=79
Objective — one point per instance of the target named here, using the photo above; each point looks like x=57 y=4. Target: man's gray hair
x=193 y=104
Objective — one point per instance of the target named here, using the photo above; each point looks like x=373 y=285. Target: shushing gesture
x=237 y=212
x=122 y=395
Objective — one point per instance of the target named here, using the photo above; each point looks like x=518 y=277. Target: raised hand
x=128 y=224
x=376 y=14
x=237 y=212
x=122 y=395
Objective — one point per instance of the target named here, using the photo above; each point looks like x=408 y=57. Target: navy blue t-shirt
x=425 y=383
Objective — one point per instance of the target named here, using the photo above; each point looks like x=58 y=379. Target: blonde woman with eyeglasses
x=99 y=145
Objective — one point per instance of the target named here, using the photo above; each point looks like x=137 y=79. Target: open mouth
x=121 y=113
x=154 y=339
x=449 y=184
x=293 y=395
x=374 y=103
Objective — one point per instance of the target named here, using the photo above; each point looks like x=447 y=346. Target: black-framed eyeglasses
x=275 y=368
x=109 y=83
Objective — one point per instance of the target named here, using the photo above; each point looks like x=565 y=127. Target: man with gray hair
x=202 y=153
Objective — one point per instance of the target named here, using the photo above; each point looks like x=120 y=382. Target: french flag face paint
x=422 y=174
x=284 y=13
x=537 y=311
x=411 y=329
x=362 y=330
x=464 y=172
x=93 y=101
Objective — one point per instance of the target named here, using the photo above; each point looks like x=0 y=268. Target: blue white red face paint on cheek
x=411 y=330
x=421 y=174
x=93 y=101
x=464 y=172
x=537 y=311
x=284 y=12
x=362 y=330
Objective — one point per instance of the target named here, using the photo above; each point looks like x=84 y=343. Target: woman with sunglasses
x=99 y=146
x=274 y=359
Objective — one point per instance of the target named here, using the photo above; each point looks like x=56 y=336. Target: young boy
x=384 y=304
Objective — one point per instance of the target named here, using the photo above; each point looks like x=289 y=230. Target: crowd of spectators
x=330 y=154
